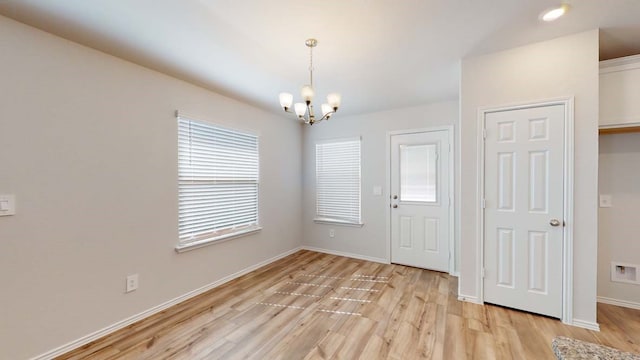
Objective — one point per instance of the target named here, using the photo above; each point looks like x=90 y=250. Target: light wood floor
x=318 y=306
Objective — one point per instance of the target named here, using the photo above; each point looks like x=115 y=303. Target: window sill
x=336 y=222
x=180 y=248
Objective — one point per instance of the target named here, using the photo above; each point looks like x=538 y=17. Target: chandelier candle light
x=304 y=111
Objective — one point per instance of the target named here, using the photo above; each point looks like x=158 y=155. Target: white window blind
x=338 y=181
x=217 y=182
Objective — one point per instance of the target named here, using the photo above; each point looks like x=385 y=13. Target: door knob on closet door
x=395 y=206
x=554 y=222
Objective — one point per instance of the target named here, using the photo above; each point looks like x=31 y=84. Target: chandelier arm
x=326 y=116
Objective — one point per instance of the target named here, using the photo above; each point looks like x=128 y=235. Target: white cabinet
x=620 y=92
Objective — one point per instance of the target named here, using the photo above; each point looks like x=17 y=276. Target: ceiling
x=379 y=54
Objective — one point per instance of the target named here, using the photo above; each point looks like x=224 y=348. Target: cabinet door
x=620 y=95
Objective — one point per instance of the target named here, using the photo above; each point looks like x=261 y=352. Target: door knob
x=395 y=206
x=395 y=197
x=554 y=222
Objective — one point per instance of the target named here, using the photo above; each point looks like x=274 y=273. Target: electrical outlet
x=332 y=233
x=7 y=205
x=132 y=283
x=606 y=201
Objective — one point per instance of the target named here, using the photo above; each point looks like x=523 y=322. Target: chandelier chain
x=311 y=66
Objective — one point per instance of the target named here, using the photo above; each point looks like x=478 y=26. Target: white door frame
x=452 y=237
x=567 y=247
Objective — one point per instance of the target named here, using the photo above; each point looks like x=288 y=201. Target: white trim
x=179 y=114
x=334 y=140
x=387 y=177
x=420 y=130
x=567 y=260
x=567 y=250
x=452 y=201
x=452 y=198
x=458 y=219
x=188 y=246
x=469 y=299
x=346 y=254
x=480 y=133
x=617 y=302
x=594 y=326
x=329 y=221
x=621 y=123
x=620 y=64
x=156 y=309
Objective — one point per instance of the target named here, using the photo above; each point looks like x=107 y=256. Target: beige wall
x=370 y=241
x=88 y=145
x=618 y=226
x=566 y=66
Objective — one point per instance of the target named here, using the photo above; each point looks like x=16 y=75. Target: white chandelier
x=304 y=111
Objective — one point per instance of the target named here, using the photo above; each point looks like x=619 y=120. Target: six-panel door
x=523 y=234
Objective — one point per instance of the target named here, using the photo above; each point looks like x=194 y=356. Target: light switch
x=377 y=190
x=7 y=205
x=606 y=201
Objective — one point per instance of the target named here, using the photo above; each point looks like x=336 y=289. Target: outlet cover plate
x=7 y=205
x=132 y=283
x=606 y=201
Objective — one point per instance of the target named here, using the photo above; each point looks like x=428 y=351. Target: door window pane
x=418 y=173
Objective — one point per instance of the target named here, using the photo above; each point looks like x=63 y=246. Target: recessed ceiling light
x=555 y=13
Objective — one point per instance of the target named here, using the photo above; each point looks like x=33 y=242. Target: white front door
x=420 y=216
x=523 y=189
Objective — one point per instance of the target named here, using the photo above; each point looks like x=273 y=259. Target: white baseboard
x=471 y=299
x=576 y=322
x=346 y=254
x=586 y=324
x=156 y=309
x=623 y=303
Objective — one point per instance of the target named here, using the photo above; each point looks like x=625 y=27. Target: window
x=338 y=182
x=418 y=173
x=217 y=183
